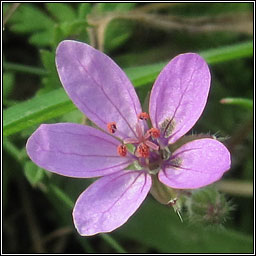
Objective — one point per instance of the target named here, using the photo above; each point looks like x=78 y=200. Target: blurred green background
x=141 y=38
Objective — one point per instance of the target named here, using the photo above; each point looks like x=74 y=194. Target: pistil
x=144 y=145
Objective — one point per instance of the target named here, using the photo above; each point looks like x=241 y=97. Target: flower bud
x=208 y=206
x=166 y=195
x=161 y=192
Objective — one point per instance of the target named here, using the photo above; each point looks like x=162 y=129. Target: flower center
x=145 y=146
x=145 y=143
x=142 y=150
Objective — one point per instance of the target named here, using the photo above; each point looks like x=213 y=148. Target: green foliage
x=33 y=173
x=141 y=49
x=8 y=80
x=118 y=31
x=48 y=30
x=109 y=7
x=36 y=111
x=61 y=12
x=83 y=10
x=158 y=227
x=29 y=19
x=64 y=21
x=51 y=81
x=244 y=103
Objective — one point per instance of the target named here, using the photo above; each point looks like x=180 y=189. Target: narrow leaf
x=245 y=103
x=36 y=110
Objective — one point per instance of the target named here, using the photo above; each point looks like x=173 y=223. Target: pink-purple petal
x=75 y=150
x=196 y=164
x=110 y=201
x=98 y=87
x=179 y=95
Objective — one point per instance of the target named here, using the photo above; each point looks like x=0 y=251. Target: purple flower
x=102 y=91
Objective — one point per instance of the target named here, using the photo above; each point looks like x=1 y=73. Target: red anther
x=143 y=150
x=143 y=116
x=122 y=150
x=154 y=132
x=112 y=127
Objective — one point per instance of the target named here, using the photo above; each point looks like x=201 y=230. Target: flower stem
x=236 y=187
x=114 y=244
x=24 y=68
x=68 y=201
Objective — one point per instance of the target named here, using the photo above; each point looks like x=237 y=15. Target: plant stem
x=114 y=244
x=24 y=68
x=235 y=187
x=65 y=198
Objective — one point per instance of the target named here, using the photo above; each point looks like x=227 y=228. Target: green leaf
x=61 y=195
x=12 y=149
x=145 y=74
x=56 y=103
x=69 y=29
x=118 y=31
x=33 y=173
x=74 y=27
x=8 y=79
x=51 y=81
x=228 y=53
x=24 y=69
x=244 y=103
x=158 y=227
x=29 y=18
x=36 y=110
x=108 y=7
x=62 y=12
x=48 y=59
x=83 y=10
x=43 y=38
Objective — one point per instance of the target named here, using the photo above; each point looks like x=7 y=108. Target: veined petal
x=75 y=150
x=179 y=95
x=196 y=164
x=98 y=87
x=110 y=201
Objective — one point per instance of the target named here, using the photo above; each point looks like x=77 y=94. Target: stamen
x=142 y=150
x=111 y=127
x=122 y=150
x=143 y=116
x=151 y=145
x=130 y=141
x=154 y=132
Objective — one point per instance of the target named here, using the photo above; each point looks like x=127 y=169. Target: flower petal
x=196 y=164
x=98 y=87
x=179 y=95
x=75 y=150
x=110 y=201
